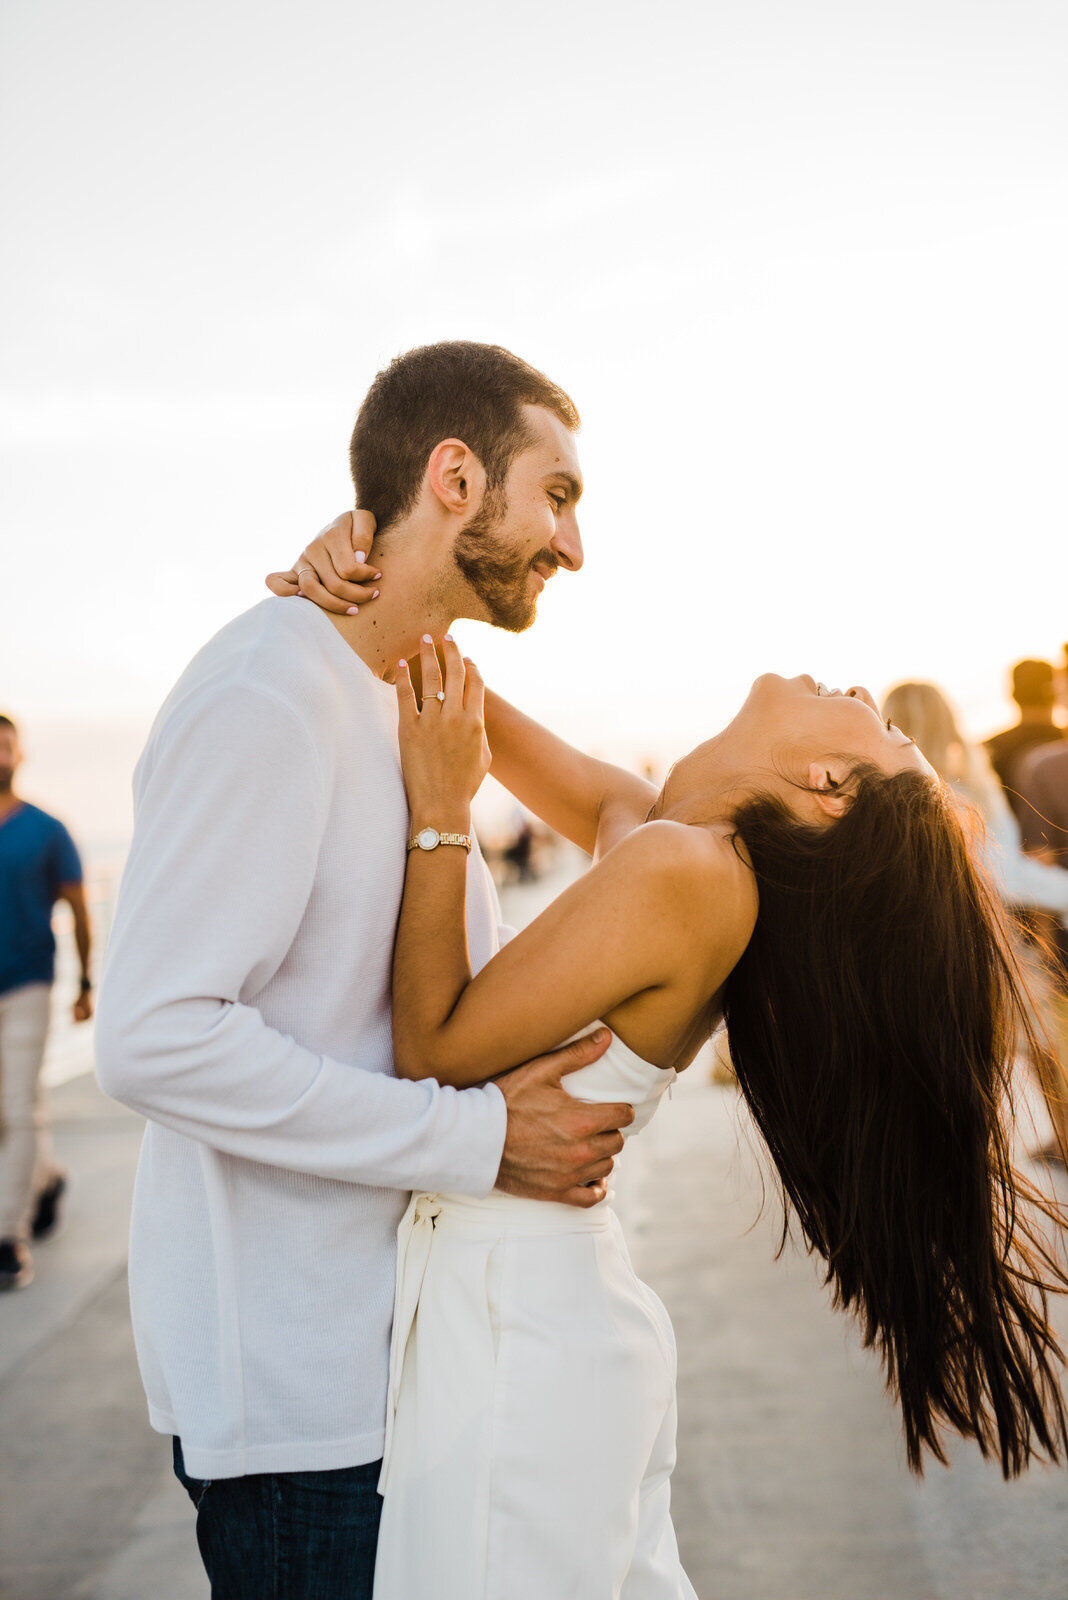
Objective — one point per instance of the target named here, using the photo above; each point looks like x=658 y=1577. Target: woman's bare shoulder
x=696 y=868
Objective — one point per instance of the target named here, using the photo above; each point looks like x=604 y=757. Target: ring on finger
x=438 y=695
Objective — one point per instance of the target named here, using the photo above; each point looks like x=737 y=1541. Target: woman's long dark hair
x=872 y=1023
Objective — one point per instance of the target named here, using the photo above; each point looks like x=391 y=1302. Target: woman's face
x=790 y=735
x=821 y=722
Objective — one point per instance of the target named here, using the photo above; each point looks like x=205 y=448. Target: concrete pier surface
x=791 y=1480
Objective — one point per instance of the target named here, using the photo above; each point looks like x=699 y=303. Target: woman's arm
x=444 y=759
x=590 y=802
x=665 y=900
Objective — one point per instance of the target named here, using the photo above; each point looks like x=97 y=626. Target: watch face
x=427 y=839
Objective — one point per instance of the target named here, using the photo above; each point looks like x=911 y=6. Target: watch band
x=430 y=838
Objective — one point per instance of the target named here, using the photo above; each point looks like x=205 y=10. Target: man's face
x=524 y=531
x=10 y=756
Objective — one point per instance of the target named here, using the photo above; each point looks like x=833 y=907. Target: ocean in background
x=70 y=1044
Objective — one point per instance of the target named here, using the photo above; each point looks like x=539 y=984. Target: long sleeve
x=1020 y=879
x=232 y=804
x=1043 y=787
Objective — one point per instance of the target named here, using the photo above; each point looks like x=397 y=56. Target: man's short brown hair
x=1032 y=684
x=454 y=390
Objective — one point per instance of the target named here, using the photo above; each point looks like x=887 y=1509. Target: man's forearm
x=216 y=1072
x=84 y=942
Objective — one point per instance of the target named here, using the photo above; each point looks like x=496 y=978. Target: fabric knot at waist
x=498 y=1214
x=414 y=1238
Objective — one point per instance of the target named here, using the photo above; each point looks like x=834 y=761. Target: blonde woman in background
x=922 y=711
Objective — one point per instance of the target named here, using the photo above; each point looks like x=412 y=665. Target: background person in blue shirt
x=39 y=865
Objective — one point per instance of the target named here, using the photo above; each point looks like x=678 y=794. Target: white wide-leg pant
x=531 y=1432
x=27 y=1158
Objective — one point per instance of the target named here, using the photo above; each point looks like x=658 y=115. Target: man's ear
x=827 y=781
x=456 y=477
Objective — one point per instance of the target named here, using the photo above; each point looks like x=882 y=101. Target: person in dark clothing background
x=1041 y=782
x=1034 y=692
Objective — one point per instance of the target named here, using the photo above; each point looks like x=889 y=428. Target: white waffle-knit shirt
x=245 y=1012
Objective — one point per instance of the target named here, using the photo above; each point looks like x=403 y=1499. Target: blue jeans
x=287 y=1535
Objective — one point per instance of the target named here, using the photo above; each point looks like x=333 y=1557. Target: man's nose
x=567 y=543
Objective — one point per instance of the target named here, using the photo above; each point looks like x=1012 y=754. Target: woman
x=1025 y=885
x=804 y=875
x=923 y=712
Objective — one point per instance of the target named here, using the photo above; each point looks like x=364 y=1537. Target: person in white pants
x=39 y=864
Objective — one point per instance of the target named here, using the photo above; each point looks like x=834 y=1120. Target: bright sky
x=802 y=267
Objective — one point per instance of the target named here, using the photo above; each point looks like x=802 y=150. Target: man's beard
x=497 y=574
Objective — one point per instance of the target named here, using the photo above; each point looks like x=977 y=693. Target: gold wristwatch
x=430 y=838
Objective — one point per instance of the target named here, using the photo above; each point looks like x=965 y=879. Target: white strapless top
x=620 y=1075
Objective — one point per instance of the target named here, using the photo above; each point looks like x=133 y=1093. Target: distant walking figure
x=39 y=864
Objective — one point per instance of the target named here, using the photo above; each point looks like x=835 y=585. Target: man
x=1042 y=781
x=1033 y=691
x=246 y=1005
x=39 y=865
x=1042 y=778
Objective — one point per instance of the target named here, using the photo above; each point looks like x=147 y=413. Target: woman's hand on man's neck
x=415 y=599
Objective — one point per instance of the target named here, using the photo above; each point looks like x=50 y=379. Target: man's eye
x=559 y=501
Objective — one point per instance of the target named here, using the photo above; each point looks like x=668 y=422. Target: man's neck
x=417 y=597
x=8 y=801
x=1037 y=717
